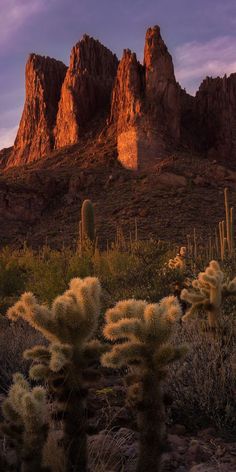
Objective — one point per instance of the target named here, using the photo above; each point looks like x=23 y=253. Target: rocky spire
x=128 y=90
x=161 y=91
x=86 y=89
x=43 y=78
x=146 y=103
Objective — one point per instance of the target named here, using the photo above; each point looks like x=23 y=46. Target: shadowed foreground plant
x=25 y=423
x=207 y=292
x=66 y=364
x=143 y=331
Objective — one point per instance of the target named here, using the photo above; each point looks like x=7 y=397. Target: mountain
x=124 y=134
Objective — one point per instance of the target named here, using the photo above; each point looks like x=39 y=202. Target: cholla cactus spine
x=66 y=364
x=25 y=423
x=143 y=331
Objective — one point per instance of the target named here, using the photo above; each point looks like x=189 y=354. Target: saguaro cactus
x=143 y=331
x=66 y=364
x=87 y=222
x=25 y=423
x=207 y=292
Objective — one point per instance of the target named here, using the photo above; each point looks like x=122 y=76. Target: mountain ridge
x=148 y=106
x=148 y=151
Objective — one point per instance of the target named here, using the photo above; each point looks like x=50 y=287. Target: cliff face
x=86 y=89
x=44 y=78
x=162 y=91
x=215 y=115
x=147 y=108
x=146 y=103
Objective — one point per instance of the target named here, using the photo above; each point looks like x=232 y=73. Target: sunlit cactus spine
x=87 y=222
x=143 y=332
x=66 y=365
x=25 y=423
x=208 y=292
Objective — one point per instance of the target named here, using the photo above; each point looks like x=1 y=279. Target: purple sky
x=200 y=35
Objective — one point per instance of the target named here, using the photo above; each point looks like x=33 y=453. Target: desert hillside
x=123 y=134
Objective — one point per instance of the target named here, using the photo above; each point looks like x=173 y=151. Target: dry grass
x=203 y=386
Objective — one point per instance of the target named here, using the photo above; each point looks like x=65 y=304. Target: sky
x=200 y=35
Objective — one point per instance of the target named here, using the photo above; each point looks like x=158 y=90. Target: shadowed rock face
x=44 y=78
x=86 y=89
x=215 y=116
x=162 y=92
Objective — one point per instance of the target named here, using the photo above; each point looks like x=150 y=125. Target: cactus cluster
x=139 y=339
x=143 y=331
x=66 y=365
x=207 y=292
x=25 y=423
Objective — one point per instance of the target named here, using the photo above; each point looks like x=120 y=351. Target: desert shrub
x=15 y=338
x=13 y=277
x=203 y=386
x=134 y=272
x=137 y=272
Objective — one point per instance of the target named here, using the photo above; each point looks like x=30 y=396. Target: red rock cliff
x=86 y=89
x=44 y=77
x=146 y=103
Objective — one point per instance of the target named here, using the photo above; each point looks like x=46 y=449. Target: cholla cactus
x=208 y=292
x=143 y=331
x=179 y=262
x=25 y=423
x=66 y=364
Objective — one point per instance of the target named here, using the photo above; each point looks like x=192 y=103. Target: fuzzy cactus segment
x=207 y=292
x=66 y=365
x=179 y=261
x=25 y=423
x=143 y=333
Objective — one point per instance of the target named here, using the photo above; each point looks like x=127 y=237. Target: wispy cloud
x=7 y=136
x=196 y=60
x=14 y=14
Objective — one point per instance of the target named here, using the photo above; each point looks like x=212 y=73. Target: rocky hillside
x=123 y=134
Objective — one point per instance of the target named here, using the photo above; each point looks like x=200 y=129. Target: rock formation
x=86 y=89
x=145 y=103
x=149 y=113
x=162 y=91
x=126 y=109
x=44 y=77
x=215 y=116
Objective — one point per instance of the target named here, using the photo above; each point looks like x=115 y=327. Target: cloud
x=14 y=14
x=7 y=136
x=196 y=60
